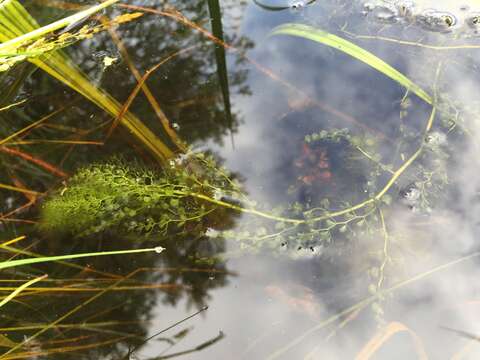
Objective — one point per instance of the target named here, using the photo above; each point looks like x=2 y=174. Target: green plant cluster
x=127 y=198
x=195 y=195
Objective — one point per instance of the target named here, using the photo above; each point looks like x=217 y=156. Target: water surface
x=272 y=303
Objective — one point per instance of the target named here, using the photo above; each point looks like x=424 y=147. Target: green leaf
x=334 y=41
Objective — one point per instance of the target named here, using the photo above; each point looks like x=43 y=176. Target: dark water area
x=305 y=130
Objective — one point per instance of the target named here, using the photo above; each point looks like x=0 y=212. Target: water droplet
x=159 y=249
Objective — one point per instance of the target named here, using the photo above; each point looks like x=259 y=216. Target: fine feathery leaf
x=334 y=41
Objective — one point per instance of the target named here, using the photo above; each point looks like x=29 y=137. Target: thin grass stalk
x=220 y=57
x=365 y=302
x=22 y=262
x=15 y=21
x=173 y=136
x=66 y=315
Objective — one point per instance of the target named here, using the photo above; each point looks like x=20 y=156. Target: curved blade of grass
x=278 y=7
x=12 y=105
x=19 y=289
x=385 y=335
x=349 y=48
x=22 y=262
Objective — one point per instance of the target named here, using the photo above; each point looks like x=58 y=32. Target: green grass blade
x=16 y=21
x=22 y=262
x=20 y=289
x=278 y=7
x=217 y=30
x=336 y=42
x=20 y=74
x=270 y=7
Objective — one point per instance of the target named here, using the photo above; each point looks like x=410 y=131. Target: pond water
x=306 y=130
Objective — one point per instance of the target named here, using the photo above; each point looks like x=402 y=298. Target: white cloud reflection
x=274 y=301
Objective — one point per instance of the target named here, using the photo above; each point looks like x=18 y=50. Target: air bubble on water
x=218 y=194
x=368 y=6
x=180 y=159
x=410 y=194
x=9 y=202
x=159 y=249
x=297 y=5
x=212 y=233
x=436 y=138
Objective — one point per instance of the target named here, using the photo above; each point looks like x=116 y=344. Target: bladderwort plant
x=108 y=196
x=193 y=192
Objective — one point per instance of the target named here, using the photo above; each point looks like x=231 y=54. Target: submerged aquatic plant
x=194 y=194
x=133 y=199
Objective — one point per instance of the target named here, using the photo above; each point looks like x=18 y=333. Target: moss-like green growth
x=130 y=198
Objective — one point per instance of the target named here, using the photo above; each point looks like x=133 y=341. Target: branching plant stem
x=338 y=213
